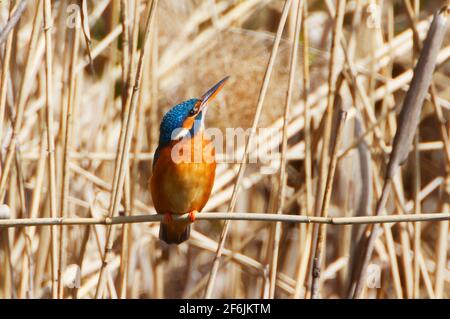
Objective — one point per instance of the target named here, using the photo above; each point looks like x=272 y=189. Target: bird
x=184 y=165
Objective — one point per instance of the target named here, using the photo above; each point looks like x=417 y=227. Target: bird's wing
x=156 y=156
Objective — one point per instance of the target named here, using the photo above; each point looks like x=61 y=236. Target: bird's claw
x=192 y=215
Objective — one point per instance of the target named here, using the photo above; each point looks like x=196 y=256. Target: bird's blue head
x=177 y=121
x=186 y=118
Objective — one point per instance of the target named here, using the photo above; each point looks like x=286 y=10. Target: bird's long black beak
x=211 y=93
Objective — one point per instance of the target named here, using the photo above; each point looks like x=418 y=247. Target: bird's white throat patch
x=179 y=133
x=182 y=132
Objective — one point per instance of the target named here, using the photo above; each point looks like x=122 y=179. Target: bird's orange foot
x=192 y=215
x=168 y=218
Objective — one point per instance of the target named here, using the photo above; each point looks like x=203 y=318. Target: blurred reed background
x=68 y=71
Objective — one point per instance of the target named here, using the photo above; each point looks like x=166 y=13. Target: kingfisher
x=183 y=165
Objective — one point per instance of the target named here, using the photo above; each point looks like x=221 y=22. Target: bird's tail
x=174 y=232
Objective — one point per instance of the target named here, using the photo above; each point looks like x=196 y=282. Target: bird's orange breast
x=183 y=175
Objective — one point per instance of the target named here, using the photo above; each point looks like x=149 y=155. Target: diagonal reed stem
x=124 y=154
x=284 y=146
x=320 y=246
x=408 y=121
x=242 y=167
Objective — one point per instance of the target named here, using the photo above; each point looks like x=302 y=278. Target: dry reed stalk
x=18 y=173
x=338 y=19
x=67 y=129
x=434 y=98
x=305 y=251
x=50 y=141
x=34 y=207
x=443 y=230
x=126 y=104
x=366 y=101
x=86 y=32
x=365 y=201
x=125 y=50
x=20 y=107
x=5 y=74
x=9 y=289
x=124 y=153
x=332 y=77
x=388 y=101
x=81 y=256
x=320 y=246
x=361 y=138
x=229 y=258
x=408 y=122
x=406 y=240
x=242 y=166
x=417 y=226
x=390 y=247
x=27 y=287
x=13 y=19
x=410 y=115
x=127 y=235
x=390 y=244
x=127 y=69
x=356 y=82
x=407 y=232
x=357 y=220
x=100 y=47
x=298 y=8
x=283 y=281
x=153 y=70
x=126 y=100
x=442 y=243
x=394 y=265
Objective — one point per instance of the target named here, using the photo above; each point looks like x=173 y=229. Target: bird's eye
x=192 y=112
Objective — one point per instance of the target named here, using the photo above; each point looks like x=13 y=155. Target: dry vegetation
x=77 y=143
